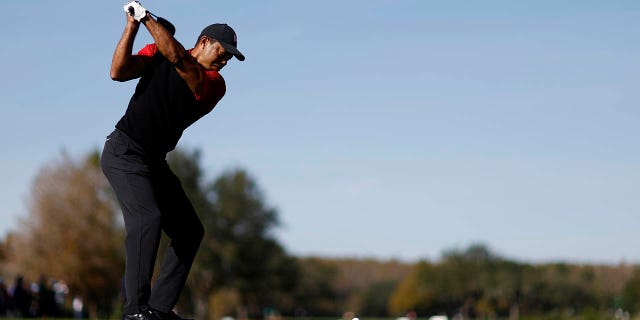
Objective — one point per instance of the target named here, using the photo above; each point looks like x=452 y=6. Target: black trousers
x=152 y=201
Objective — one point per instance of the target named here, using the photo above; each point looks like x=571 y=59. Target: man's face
x=216 y=53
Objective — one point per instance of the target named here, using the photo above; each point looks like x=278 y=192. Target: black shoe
x=166 y=316
x=145 y=315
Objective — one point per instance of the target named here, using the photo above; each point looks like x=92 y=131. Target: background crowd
x=46 y=298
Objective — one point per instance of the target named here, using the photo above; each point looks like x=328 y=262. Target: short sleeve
x=148 y=50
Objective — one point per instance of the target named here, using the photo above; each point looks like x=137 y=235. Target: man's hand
x=136 y=10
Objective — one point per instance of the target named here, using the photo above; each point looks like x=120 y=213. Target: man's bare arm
x=186 y=65
x=124 y=65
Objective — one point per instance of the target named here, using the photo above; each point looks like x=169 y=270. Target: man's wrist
x=145 y=17
x=133 y=25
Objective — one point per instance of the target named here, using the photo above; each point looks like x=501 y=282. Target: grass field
x=548 y=317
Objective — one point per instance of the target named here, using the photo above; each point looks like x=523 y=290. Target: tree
x=373 y=300
x=472 y=282
x=239 y=258
x=329 y=286
x=631 y=293
x=315 y=295
x=414 y=291
x=72 y=233
x=242 y=251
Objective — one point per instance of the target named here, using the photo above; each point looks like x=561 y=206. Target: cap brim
x=231 y=49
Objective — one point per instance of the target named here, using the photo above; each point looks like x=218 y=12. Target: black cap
x=226 y=36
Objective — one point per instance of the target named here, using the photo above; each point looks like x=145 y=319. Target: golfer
x=176 y=88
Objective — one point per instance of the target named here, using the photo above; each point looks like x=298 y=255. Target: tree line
x=74 y=232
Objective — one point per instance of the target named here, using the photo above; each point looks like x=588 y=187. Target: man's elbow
x=175 y=59
x=117 y=76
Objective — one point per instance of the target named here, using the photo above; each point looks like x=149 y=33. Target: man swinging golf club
x=176 y=88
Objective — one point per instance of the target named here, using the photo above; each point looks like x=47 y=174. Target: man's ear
x=203 y=41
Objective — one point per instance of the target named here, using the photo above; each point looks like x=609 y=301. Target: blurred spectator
x=77 y=308
x=21 y=298
x=33 y=308
x=348 y=315
x=4 y=299
x=46 y=301
x=61 y=290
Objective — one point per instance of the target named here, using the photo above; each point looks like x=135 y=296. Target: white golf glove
x=136 y=10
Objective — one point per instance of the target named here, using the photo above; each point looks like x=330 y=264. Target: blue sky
x=388 y=129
